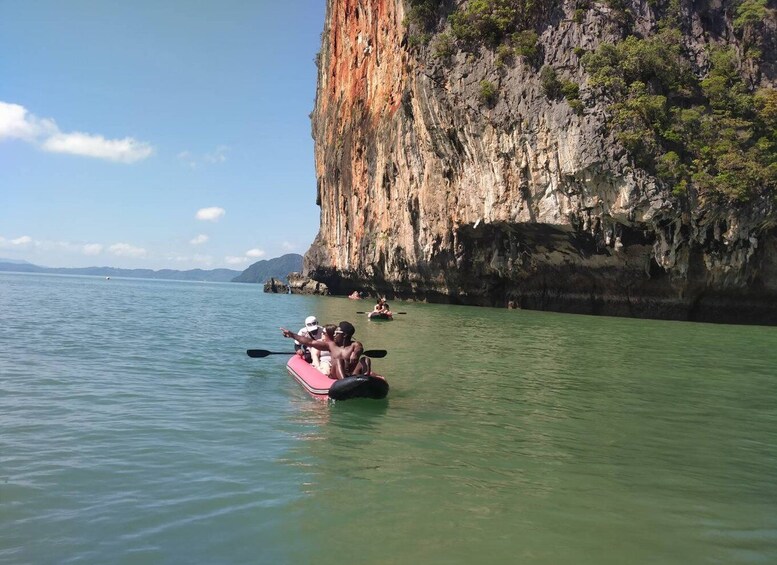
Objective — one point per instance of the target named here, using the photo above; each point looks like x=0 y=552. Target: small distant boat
x=380 y=316
x=107 y=278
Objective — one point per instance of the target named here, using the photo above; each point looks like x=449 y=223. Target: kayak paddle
x=392 y=312
x=376 y=353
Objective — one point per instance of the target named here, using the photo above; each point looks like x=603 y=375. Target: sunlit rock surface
x=426 y=193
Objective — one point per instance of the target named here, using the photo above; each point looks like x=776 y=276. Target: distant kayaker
x=385 y=306
x=346 y=353
x=381 y=308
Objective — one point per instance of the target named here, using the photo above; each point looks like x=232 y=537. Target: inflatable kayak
x=321 y=386
x=379 y=316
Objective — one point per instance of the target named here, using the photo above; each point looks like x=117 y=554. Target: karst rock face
x=428 y=193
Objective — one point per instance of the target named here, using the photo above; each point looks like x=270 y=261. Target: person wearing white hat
x=313 y=331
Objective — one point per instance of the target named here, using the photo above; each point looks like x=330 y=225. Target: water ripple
x=136 y=430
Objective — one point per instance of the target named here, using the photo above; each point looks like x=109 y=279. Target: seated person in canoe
x=345 y=352
x=325 y=357
x=311 y=330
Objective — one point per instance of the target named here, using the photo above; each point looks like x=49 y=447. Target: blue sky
x=157 y=134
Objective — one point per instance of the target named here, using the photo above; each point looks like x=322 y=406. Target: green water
x=133 y=429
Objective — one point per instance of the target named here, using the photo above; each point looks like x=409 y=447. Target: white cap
x=311 y=322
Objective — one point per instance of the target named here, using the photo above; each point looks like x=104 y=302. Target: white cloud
x=287 y=246
x=24 y=240
x=17 y=123
x=92 y=249
x=204 y=260
x=13 y=122
x=213 y=214
x=187 y=158
x=126 y=250
x=58 y=246
x=199 y=240
x=125 y=150
x=250 y=256
x=216 y=157
x=27 y=242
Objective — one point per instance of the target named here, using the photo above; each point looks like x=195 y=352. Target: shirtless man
x=346 y=353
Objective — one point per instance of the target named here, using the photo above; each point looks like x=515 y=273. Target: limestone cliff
x=432 y=188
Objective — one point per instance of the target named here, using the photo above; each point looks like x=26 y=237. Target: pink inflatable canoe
x=321 y=386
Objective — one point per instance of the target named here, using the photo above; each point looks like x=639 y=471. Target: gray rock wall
x=427 y=193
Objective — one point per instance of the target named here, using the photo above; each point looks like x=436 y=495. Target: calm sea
x=134 y=429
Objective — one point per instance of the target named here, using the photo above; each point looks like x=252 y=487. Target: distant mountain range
x=278 y=268
x=259 y=272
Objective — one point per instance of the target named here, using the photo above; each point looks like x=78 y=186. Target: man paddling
x=346 y=353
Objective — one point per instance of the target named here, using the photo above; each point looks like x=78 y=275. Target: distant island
x=259 y=272
x=278 y=268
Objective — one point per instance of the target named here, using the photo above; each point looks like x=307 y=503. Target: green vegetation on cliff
x=701 y=126
x=711 y=133
x=509 y=23
x=494 y=21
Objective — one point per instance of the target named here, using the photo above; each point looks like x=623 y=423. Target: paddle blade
x=375 y=353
